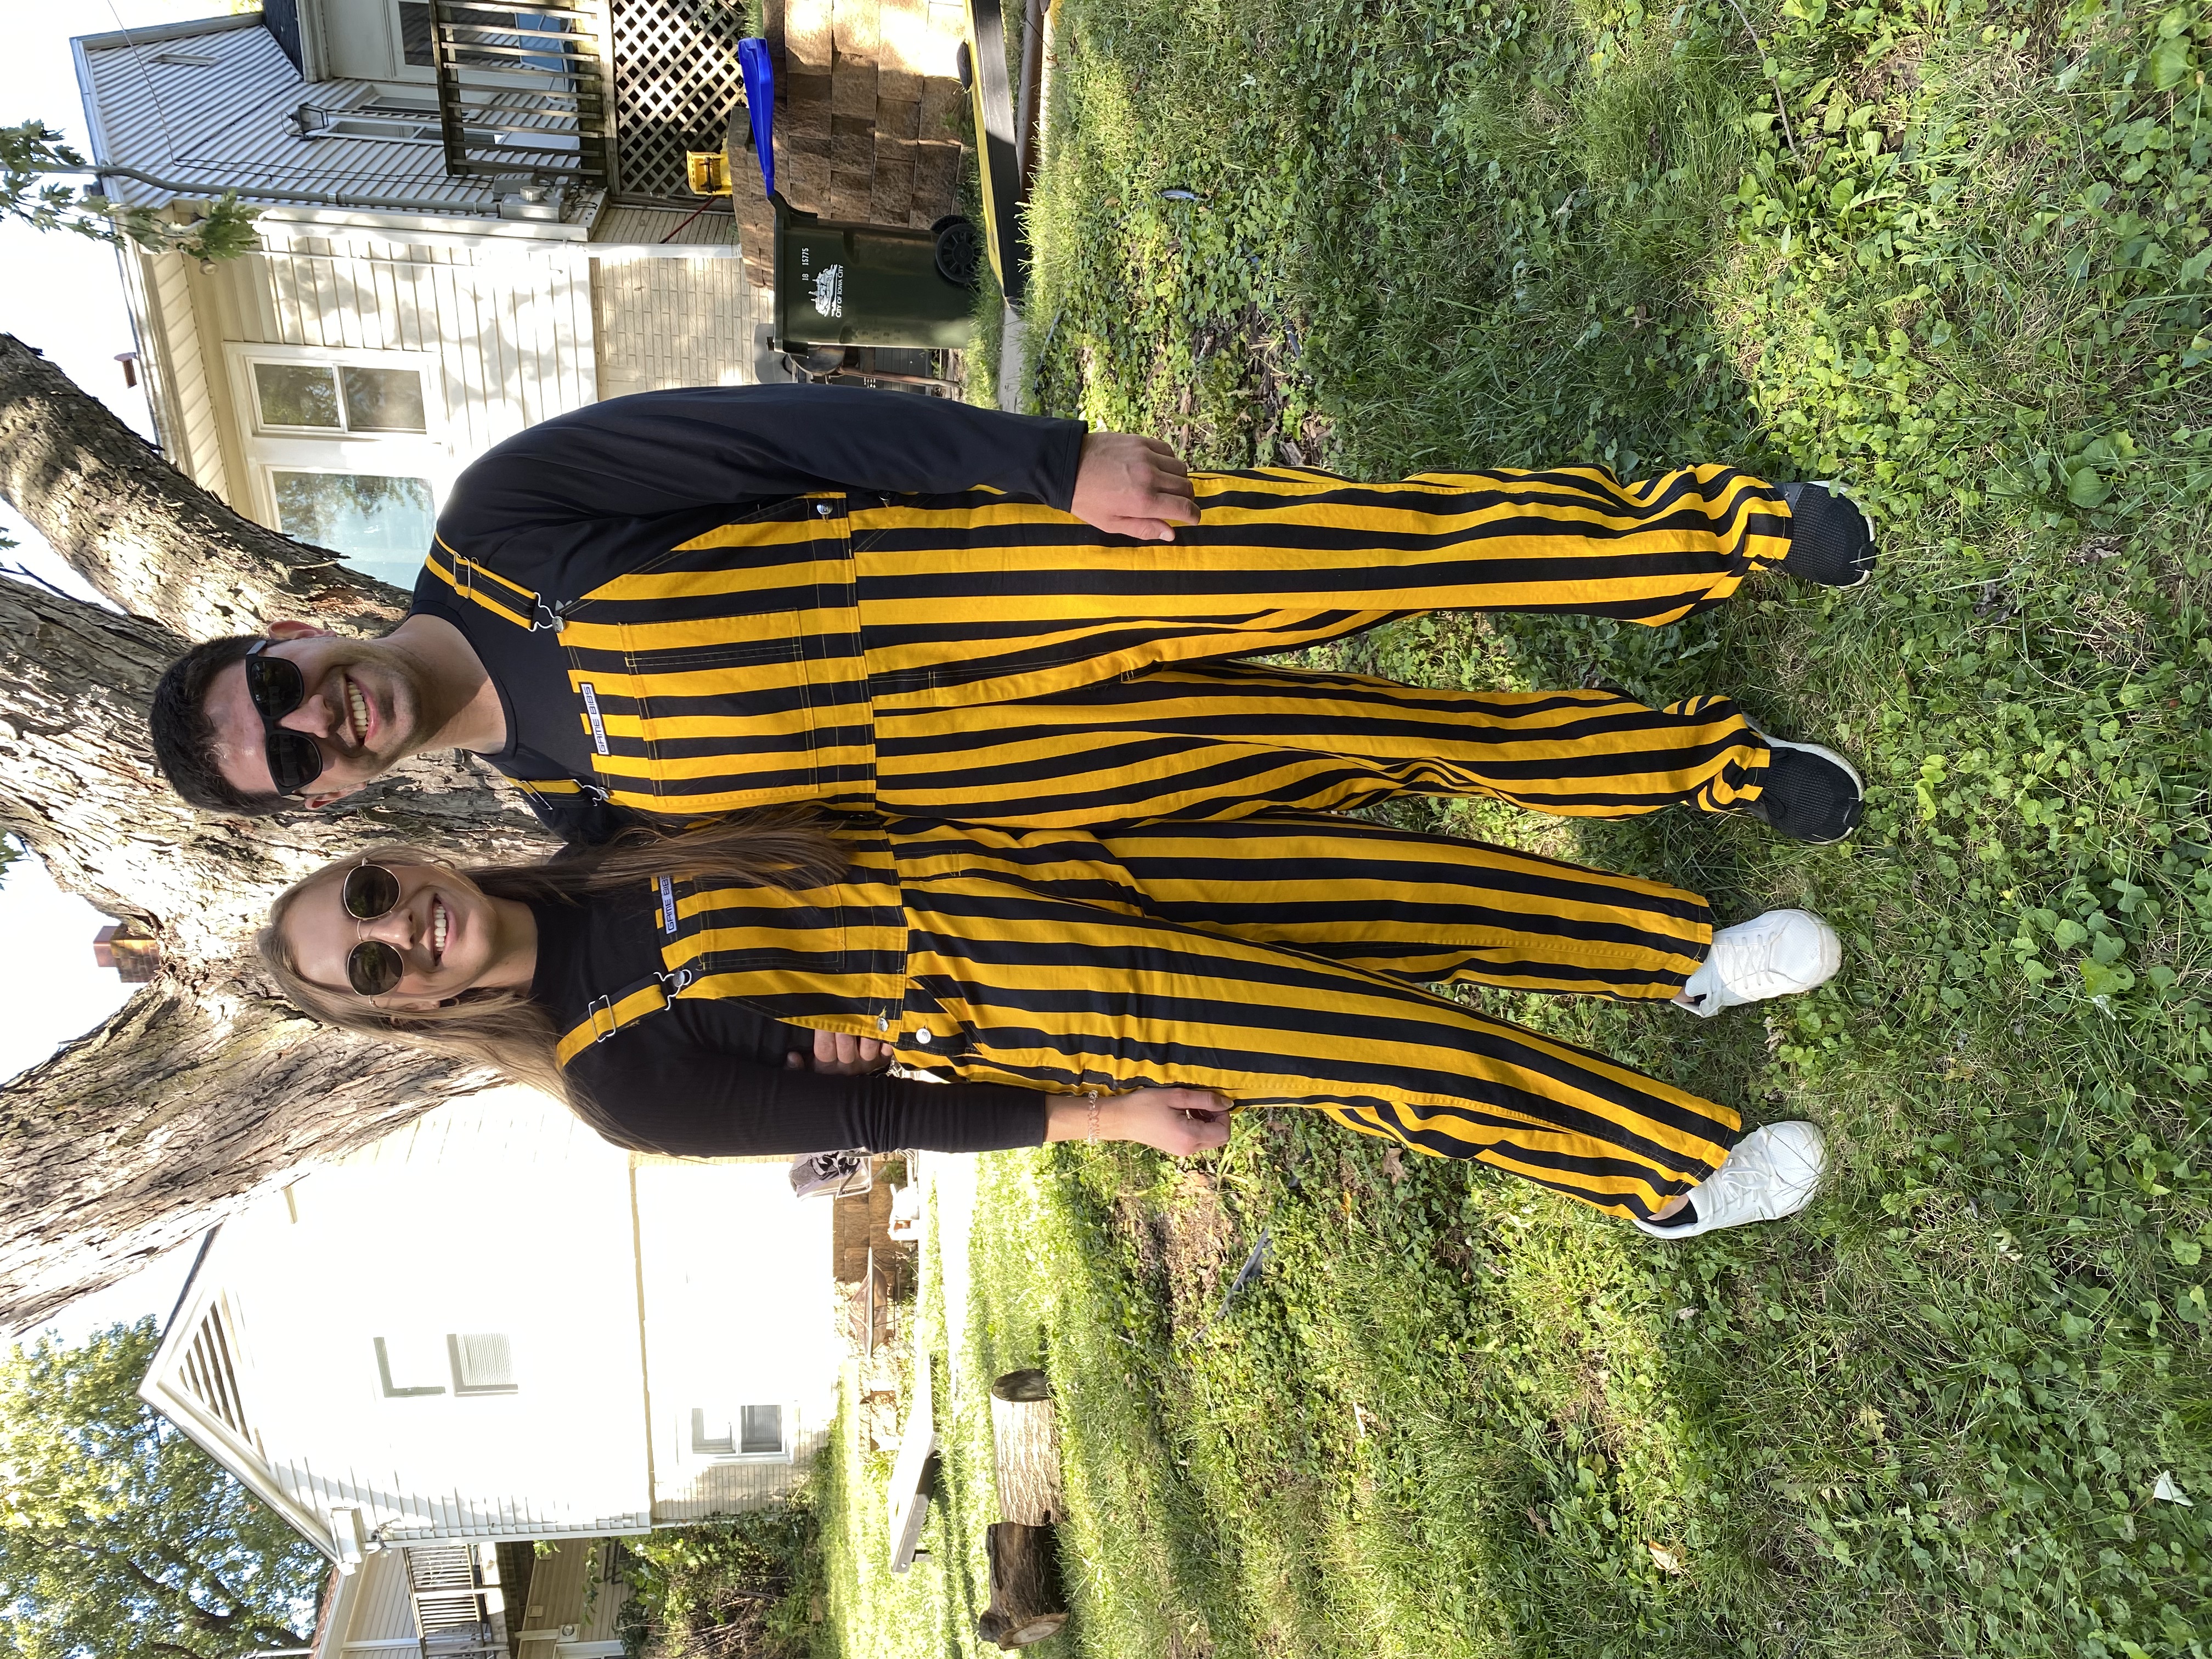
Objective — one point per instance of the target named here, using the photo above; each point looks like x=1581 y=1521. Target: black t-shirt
x=709 y=1077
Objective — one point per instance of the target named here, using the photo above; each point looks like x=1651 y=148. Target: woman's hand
x=836 y=1054
x=1177 y=1121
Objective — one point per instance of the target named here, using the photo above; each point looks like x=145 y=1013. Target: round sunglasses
x=373 y=968
x=276 y=687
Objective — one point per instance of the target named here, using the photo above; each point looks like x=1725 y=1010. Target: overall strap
x=612 y=1010
x=482 y=585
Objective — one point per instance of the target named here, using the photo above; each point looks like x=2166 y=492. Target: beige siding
x=508 y=334
x=668 y=322
x=711 y=228
x=381 y=1612
x=182 y=382
x=571 y=1586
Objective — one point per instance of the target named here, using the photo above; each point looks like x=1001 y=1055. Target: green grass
x=1455 y=1416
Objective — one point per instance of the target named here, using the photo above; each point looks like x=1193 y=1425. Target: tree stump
x=1026 y=1604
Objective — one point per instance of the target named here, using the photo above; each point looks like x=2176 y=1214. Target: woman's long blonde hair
x=502 y=1027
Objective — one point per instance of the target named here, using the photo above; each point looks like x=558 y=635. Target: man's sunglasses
x=295 y=760
x=373 y=968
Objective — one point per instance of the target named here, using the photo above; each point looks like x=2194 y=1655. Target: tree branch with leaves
x=33 y=158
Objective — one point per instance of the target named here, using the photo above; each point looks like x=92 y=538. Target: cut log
x=1026 y=1604
x=1022 y=1434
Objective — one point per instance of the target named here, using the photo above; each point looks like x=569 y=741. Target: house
x=473 y=217
x=493 y=1325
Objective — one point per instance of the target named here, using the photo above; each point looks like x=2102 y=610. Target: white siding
x=179 y=384
x=230 y=123
x=739 y=1311
x=501 y=1214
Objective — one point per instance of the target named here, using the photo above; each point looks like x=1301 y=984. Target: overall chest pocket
x=693 y=726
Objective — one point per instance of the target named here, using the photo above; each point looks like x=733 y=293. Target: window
x=396 y=129
x=405 y=1365
x=760 y=1430
x=332 y=398
x=477 y=1362
x=482 y=26
x=347 y=448
x=376 y=522
x=756 y=1431
x=483 y=1362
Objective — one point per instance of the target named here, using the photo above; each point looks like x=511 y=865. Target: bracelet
x=1092 y=1095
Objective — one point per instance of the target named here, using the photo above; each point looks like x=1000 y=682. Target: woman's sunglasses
x=373 y=968
x=278 y=688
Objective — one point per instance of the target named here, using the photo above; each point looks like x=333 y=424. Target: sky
x=62 y=294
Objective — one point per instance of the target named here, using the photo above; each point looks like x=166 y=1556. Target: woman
x=729 y=990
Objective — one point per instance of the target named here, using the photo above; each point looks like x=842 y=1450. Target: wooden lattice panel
x=675 y=78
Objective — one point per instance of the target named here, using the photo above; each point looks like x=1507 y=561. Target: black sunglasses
x=278 y=688
x=373 y=968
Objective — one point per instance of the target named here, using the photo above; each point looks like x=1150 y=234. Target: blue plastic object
x=760 y=104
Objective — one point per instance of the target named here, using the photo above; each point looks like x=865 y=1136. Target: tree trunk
x=145 y=535
x=206 y=1088
x=1026 y=1604
x=1025 y=1437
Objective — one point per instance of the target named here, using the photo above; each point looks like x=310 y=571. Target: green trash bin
x=871 y=285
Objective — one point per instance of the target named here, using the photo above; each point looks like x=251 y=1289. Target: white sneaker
x=1771 y=1173
x=1783 y=953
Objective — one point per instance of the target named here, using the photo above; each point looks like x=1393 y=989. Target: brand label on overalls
x=829 y=291
x=667 y=905
x=591 y=713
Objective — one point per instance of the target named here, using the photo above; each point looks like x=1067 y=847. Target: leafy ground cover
x=1448 y=1415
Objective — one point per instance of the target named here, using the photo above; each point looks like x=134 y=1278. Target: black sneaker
x=1831 y=541
x=1811 y=794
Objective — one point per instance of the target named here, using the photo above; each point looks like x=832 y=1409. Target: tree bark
x=206 y=1088
x=145 y=535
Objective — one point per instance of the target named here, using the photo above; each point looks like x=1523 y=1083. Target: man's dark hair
x=184 y=736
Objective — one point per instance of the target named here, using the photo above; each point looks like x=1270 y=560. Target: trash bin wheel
x=959 y=250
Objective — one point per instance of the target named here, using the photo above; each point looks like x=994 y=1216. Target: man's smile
x=357 y=712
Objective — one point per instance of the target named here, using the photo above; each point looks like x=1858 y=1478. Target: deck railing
x=523 y=90
x=452 y=1615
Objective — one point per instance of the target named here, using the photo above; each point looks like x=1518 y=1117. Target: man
x=689 y=603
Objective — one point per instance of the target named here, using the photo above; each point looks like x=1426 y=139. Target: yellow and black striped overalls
x=1277 y=959
x=972 y=657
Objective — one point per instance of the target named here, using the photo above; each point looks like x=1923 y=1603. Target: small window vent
x=211 y=1372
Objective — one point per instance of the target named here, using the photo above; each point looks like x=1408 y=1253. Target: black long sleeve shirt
x=709 y=1078
x=591 y=495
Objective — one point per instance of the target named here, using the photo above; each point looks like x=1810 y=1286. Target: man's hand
x=836 y=1054
x=1132 y=486
x=1177 y=1121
